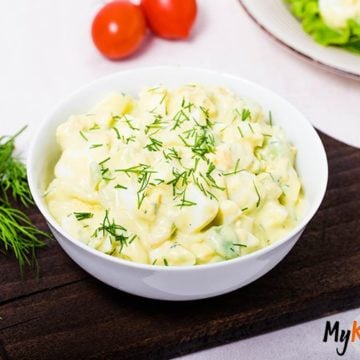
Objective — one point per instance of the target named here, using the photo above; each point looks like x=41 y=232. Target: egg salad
x=184 y=176
x=330 y=22
x=336 y=13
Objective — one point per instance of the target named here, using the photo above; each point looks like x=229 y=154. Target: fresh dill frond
x=13 y=178
x=18 y=235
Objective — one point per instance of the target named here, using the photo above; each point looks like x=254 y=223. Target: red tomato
x=170 y=19
x=118 y=29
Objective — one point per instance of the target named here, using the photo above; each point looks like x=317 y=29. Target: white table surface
x=46 y=53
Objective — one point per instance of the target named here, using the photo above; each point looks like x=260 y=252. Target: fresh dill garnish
x=270 y=119
x=244 y=209
x=105 y=171
x=158 y=181
x=184 y=202
x=115 y=231
x=190 y=133
x=124 y=139
x=13 y=177
x=94 y=146
x=204 y=143
x=118 y=136
x=128 y=122
x=258 y=195
x=83 y=136
x=172 y=154
x=157 y=124
x=104 y=161
x=154 y=145
x=105 y=174
x=163 y=99
x=119 y=186
x=17 y=233
x=166 y=262
x=251 y=128
x=240 y=132
x=179 y=118
x=205 y=111
x=245 y=114
x=236 y=169
x=143 y=173
x=83 y=215
x=154 y=262
x=137 y=169
x=240 y=245
x=179 y=178
x=94 y=127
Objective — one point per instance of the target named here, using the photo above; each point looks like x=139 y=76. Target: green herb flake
x=94 y=146
x=258 y=195
x=246 y=114
x=119 y=186
x=240 y=245
x=83 y=136
x=104 y=161
x=83 y=215
x=270 y=119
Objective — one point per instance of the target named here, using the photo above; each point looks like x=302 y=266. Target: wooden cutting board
x=67 y=314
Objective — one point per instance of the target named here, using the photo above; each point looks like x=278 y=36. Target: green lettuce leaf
x=307 y=11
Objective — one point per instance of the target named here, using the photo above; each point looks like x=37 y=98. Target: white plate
x=275 y=18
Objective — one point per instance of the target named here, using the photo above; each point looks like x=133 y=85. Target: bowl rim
x=54 y=225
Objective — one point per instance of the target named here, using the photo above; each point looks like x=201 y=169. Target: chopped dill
x=245 y=114
x=154 y=145
x=240 y=132
x=258 y=195
x=83 y=215
x=83 y=136
x=240 y=245
x=270 y=119
x=115 y=231
x=251 y=128
x=94 y=146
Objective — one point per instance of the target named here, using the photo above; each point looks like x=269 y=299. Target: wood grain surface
x=67 y=314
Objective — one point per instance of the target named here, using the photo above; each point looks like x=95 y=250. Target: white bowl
x=179 y=283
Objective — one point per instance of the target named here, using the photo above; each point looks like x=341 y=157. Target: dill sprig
x=13 y=172
x=18 y=235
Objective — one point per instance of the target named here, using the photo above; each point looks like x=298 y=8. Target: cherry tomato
x=118 y=29
x=171 y=19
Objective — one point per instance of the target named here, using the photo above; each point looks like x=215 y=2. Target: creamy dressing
x=187 y=176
